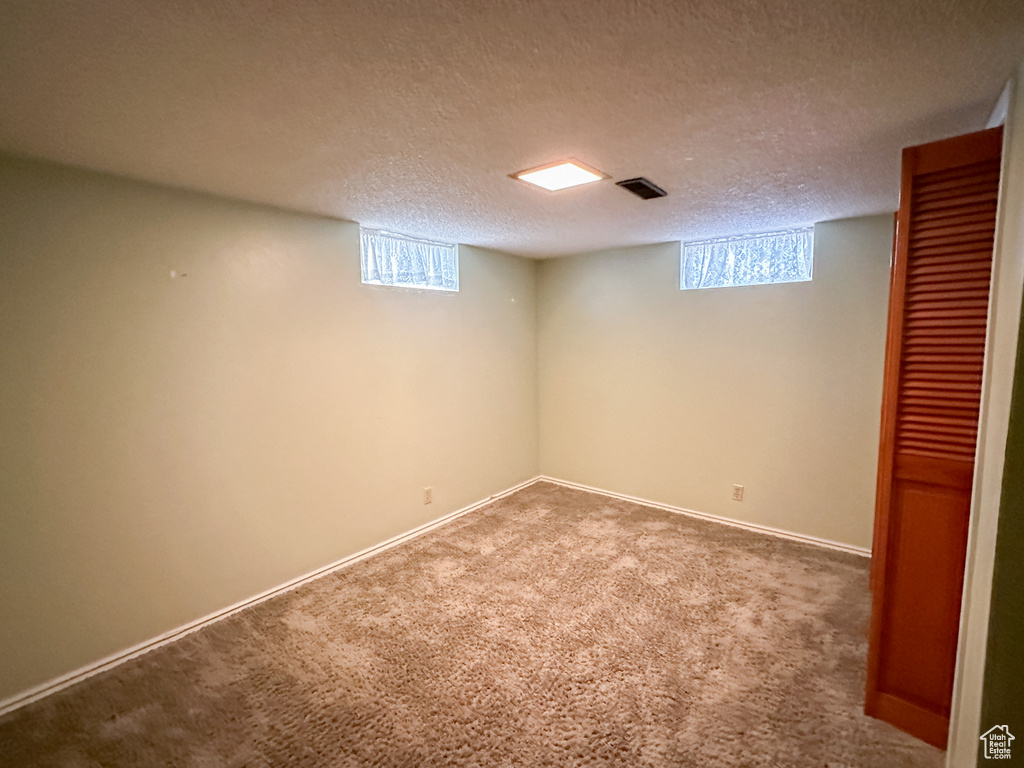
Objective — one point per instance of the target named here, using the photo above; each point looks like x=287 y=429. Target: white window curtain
x=390 y=259
x=774 y=257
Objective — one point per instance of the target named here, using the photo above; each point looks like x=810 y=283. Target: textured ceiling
x=752 y=114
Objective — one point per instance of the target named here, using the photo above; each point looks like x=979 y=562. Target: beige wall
x=171 y=446
x=676 y=395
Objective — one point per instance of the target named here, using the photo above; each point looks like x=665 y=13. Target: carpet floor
x=553 y=627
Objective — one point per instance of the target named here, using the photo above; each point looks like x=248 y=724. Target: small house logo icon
x=997 y=742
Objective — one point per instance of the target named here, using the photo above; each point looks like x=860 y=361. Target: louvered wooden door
x=938 y=309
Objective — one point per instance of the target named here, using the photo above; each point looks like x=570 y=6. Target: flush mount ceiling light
x=560 y=175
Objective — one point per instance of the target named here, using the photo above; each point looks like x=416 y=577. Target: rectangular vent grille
x=949 y=269
x=641 y=187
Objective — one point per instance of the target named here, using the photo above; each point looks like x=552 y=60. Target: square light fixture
x=560 y=175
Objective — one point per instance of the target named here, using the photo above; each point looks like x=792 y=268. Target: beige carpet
x=551 y=628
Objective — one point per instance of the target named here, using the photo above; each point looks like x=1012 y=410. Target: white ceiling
x=409 y=116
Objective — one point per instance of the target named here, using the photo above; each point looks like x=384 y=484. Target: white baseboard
x=837 y=545
x=71 y=678
x=109 y=662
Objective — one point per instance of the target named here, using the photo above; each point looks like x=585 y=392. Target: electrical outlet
x=428 y=495
x=737 y=493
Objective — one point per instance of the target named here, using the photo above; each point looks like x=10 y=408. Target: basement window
x=772 y=257
x=407 y=262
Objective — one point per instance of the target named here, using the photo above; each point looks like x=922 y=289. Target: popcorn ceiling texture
x=408 y=115
x=552 y=628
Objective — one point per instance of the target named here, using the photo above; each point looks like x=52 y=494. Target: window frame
x=447 y=250
x=806 y=233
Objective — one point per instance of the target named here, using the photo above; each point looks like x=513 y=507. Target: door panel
x=923 y=605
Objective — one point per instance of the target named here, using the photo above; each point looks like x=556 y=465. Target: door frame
x=997 y=386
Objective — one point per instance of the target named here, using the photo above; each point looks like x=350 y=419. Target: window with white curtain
x=771 y=257
x=390 y=259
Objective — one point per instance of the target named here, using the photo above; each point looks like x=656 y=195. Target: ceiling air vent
x=641 y=187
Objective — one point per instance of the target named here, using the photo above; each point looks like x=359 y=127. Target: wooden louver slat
x=953 y=205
